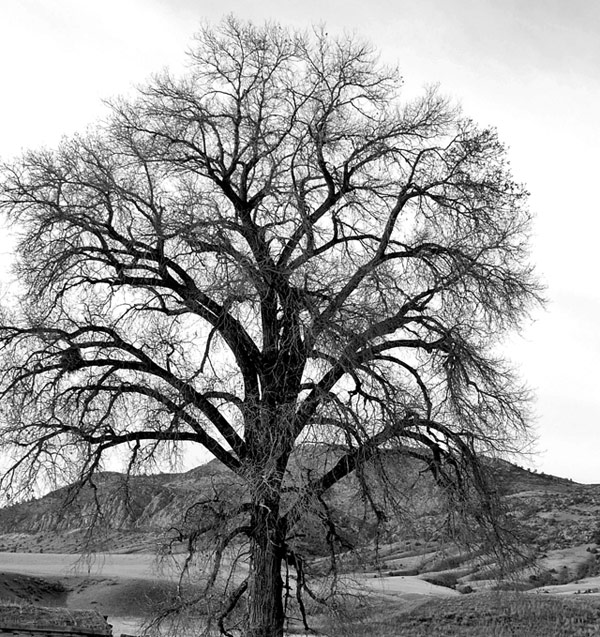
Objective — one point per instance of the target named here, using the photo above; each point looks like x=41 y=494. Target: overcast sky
x=528 y=67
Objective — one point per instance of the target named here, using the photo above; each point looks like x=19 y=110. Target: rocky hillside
x=126 y=513
x=133 y=513
x=130 y=513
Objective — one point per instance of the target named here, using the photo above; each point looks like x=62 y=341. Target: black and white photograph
x=299 y=318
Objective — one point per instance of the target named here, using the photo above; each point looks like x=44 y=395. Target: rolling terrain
x=413 y=573
x=132 y=513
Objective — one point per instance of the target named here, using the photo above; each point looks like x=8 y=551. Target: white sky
x=528 y=67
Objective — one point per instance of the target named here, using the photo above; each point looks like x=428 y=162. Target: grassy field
x=127 y=588
x=476 y=615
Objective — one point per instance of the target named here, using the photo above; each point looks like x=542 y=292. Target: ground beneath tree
x=128 y=588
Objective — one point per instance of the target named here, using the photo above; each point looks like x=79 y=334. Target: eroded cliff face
x=114 y=511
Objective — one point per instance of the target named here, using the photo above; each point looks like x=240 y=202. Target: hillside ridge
x=136 y=510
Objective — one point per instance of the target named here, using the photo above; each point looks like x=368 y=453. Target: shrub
x=589 y=568
x=449 y=580
x=543 y=578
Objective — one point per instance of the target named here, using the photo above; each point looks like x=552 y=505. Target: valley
x=409 y=578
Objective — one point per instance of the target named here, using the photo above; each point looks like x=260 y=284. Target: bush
x=452 y=561
x=543 y=578
x=589 y=568
x=515 y=587
x=407 y=572
x=449 y=580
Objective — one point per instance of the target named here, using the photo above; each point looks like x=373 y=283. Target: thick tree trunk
x=265 y=589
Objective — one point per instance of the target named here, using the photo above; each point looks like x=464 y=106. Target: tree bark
x=265 y=601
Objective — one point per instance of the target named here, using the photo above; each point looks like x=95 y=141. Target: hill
x=115 y=513
x=558 y=518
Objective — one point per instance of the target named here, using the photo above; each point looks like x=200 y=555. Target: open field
x=139 y=565
x=123 y=587
x=127 y=587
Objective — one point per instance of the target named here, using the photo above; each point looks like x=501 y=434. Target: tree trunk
x=265 y=591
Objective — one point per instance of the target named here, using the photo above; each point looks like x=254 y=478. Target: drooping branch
x=272 y=251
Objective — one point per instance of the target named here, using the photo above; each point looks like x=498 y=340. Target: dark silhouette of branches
x=271 y=252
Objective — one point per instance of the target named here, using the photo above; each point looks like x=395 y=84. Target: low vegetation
x=483 y=614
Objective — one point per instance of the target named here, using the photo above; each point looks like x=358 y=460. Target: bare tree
x=271 y=251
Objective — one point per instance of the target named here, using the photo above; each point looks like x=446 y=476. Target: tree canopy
x=271 y=251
